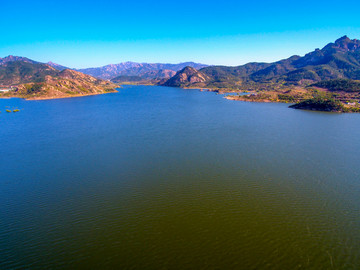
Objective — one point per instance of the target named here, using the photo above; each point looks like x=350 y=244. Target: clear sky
x=94 y=33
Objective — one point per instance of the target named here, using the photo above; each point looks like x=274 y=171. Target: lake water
x=165 y=178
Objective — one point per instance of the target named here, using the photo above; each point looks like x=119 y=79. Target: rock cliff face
x=188 y=76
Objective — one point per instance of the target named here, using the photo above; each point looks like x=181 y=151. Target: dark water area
x=165 y=178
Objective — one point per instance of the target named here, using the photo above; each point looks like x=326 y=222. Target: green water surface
x=165 y=178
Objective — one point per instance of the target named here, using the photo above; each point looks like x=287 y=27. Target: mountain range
x=48 y=78
x=143 y=70
x=335 y=67
x=338 y=60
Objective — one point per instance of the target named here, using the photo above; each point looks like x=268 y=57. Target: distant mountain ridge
x=146 y=73
x=144 y=70
x=57 y=66
x=136 y=75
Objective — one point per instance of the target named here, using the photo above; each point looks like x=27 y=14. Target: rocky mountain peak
x=188 y=70
x=187 y=76
x=13 y=58
x=343 y=39
x=347 y=44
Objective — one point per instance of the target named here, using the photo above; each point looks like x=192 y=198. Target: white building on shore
x=4 y=90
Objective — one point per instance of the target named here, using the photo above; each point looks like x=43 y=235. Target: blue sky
x=95 y=33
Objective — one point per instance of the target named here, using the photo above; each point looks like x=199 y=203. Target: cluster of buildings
x=6 y=89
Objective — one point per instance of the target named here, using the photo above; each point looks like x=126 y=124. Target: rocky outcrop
x=186 y=77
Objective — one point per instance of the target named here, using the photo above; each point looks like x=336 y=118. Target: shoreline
x=51 y=98
x=252 y=96
x=252 y=100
